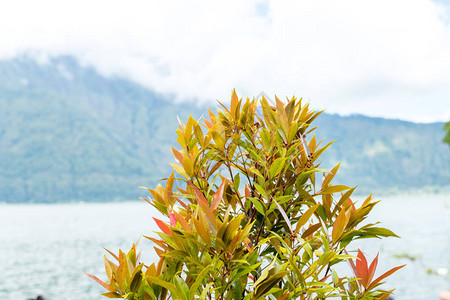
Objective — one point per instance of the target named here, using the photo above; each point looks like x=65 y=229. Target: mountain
x=387 y=156
x=68 y=133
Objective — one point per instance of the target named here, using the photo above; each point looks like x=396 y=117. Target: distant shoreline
x=382 y=195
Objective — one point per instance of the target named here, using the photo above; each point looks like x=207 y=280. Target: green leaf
x=205 y=291
x=379 y=231
x=258 y=205
x=265 y=286
x=237 y=289
x=112 y=295
x=255 y=171
x=284 y=198
x=136 y=278
x=169 y=286
x=261 y=190
x=277 y=166
x=286 y=218
x=334 y=277
x=198 y=281
x=333 y=189
x=266 y=138
x=265 y=273
x=181 y=286
x=236 y=182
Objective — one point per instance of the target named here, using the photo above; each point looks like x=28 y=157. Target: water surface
x=45 y=248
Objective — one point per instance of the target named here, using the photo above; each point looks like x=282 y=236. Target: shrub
x=253 y=216
x=446 y=138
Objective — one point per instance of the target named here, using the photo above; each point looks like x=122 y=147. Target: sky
x=378 y=58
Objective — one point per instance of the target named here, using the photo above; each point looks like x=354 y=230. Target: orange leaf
x=203 y=202
x=113 y=255
x=211 y=115
x=146 y=200
x=163 y=226
x=202 y=231
x=248 y=244
x=182 y=221
x=218 y=196
x=362 y=271
x=311 y=229
x=247 y=192
x=350 y=203
x=339 y=226
x=208 y=124
x=305 y=217
x=160 y=243
x=159 y=252
x=168 y=190
x=182 y=203
x=234 y=102
x=177 y=155
x=388 y=273
x=103 y=284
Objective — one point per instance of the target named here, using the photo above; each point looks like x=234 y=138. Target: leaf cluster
x=250 y=215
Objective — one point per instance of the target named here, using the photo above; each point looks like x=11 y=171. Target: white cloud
x=385 y=58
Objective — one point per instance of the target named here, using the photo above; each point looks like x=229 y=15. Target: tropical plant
x=253 y=216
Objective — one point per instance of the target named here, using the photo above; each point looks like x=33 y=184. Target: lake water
x=45 y=248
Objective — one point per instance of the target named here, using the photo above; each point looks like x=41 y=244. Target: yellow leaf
x=180 y=170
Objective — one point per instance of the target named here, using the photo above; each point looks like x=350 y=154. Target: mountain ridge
x=68 y=133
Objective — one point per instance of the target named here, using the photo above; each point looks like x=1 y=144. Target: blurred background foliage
x=68 y=133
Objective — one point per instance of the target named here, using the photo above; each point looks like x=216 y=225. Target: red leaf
x=173 y=220
x=247 y=192
x=362 y=271
x=372 y=268
x=163 y=226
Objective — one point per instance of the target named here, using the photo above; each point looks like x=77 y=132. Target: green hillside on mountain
x=69 y=134
x=387 y=156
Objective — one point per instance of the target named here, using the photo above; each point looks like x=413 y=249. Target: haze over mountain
x=70 y=134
